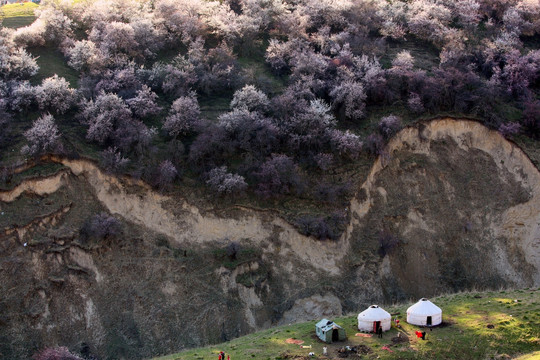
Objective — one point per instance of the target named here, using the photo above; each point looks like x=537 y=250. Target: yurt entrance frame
x=376 y=326
x=428 y=321
x=335 y=335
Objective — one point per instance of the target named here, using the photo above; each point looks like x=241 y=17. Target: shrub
x=324 y=161
x=389 y=126
x=374 y=144
x=278 y=175
x=211 y=146
x=415 y=103
x=15 y=62
x=232 y=250
x=346 y=143
x=100 y=227
x=322 y=227
x=103 y=115
x=277 y=55
x=508 y=130
x=112 y=160
x=166 y=173
x=403 y=62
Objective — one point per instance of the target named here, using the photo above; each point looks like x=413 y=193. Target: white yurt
x=374 y=317
x=424 y=313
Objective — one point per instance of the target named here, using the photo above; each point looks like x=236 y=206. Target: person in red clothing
x=219 y=357
x=228 y=357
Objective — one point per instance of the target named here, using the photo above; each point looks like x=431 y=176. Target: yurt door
x=335 y=335
x=376 y=326
x=428 y=321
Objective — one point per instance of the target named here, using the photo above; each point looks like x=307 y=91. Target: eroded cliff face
x=454 y=204
x=463 y=204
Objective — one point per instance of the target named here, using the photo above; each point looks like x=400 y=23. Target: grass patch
x=18 y=21
x=51 y=61
x=259 y=74
x=466 y=336
x=214 y=105
x=15 y=16
x=17 y=10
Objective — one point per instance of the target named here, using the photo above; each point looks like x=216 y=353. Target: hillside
x=476 y=325
x=167 y=163
x=78 y=238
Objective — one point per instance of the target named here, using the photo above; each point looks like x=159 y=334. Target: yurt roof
x=374 y=313
x=424 y=307
x=326 y=325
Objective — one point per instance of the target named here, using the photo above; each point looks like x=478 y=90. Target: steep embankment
x=453 y=205
x=464 y=204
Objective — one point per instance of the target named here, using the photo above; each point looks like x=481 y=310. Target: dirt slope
x=454 y=205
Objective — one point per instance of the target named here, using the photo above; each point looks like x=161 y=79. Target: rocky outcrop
x=327 y=306
x=451 y=206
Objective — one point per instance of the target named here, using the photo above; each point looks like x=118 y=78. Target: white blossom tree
x=224 y=182
x=55 y=94
x=183 y=115
x=15 y=62
x=144 y=104
x=23 y=96
x=102 y=116
x=251 y=99
x=42 y=137
x=84 y=55
x=352 y=96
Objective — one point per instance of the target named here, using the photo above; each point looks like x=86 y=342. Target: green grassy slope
x=23 y=9
x=477 y=325
x=17 y=15
x=51 y=62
